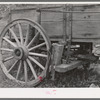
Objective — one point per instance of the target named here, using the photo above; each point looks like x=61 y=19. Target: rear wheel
x=22 y=59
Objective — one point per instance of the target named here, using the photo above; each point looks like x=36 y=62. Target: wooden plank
x=67 y=67
x=82 y=30
x=57 y=50
x=24 y=14
x=86 y=40
x=52 y=22
x=53 y=28
x=86 y=31
x=3 y=23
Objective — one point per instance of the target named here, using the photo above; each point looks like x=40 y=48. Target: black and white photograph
x=50 y=45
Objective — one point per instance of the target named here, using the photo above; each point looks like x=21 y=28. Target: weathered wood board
x=19 y=14
x=52 y=22
x=24 y=14
x=3 y=23
x=85 y=26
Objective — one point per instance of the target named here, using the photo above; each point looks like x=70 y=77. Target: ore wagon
x=40 y=40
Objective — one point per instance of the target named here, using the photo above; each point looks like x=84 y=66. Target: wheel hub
x=21 y=53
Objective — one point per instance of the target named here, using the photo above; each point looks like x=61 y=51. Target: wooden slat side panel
x=86 y=25
x=53 y=29
x=31 y=14
x=52 y=22
x=3 y=23
x=86 y=29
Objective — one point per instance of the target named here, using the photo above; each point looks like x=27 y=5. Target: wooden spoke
x=20 y=32
x=13 y=66
x=37 y=46
x=14 y=35
x=27 y=36
x=25 y=71
x=9 y=58
x=6 y=49
x=37 y=54
x=19 y=67
x=32 y=41
x=36 y=62
x=31 y=67
x=8 y=41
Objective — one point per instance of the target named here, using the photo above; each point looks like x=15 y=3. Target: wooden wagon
x=37 y=41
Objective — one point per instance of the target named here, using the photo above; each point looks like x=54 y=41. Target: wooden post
x=9 y=20
x=57 y=50
x=57 y=53
x=64 y=23
x=70 y=22
x=39 y=17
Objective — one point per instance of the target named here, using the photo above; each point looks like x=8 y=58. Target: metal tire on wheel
x=22 y=59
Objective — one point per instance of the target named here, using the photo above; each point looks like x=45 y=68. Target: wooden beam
x=67 y=67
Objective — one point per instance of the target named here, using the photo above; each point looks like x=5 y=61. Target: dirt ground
x=74 y=78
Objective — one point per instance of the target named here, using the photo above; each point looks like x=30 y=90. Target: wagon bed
x=85 y=17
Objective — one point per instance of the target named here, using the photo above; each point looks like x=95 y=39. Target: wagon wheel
x=23 y=60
